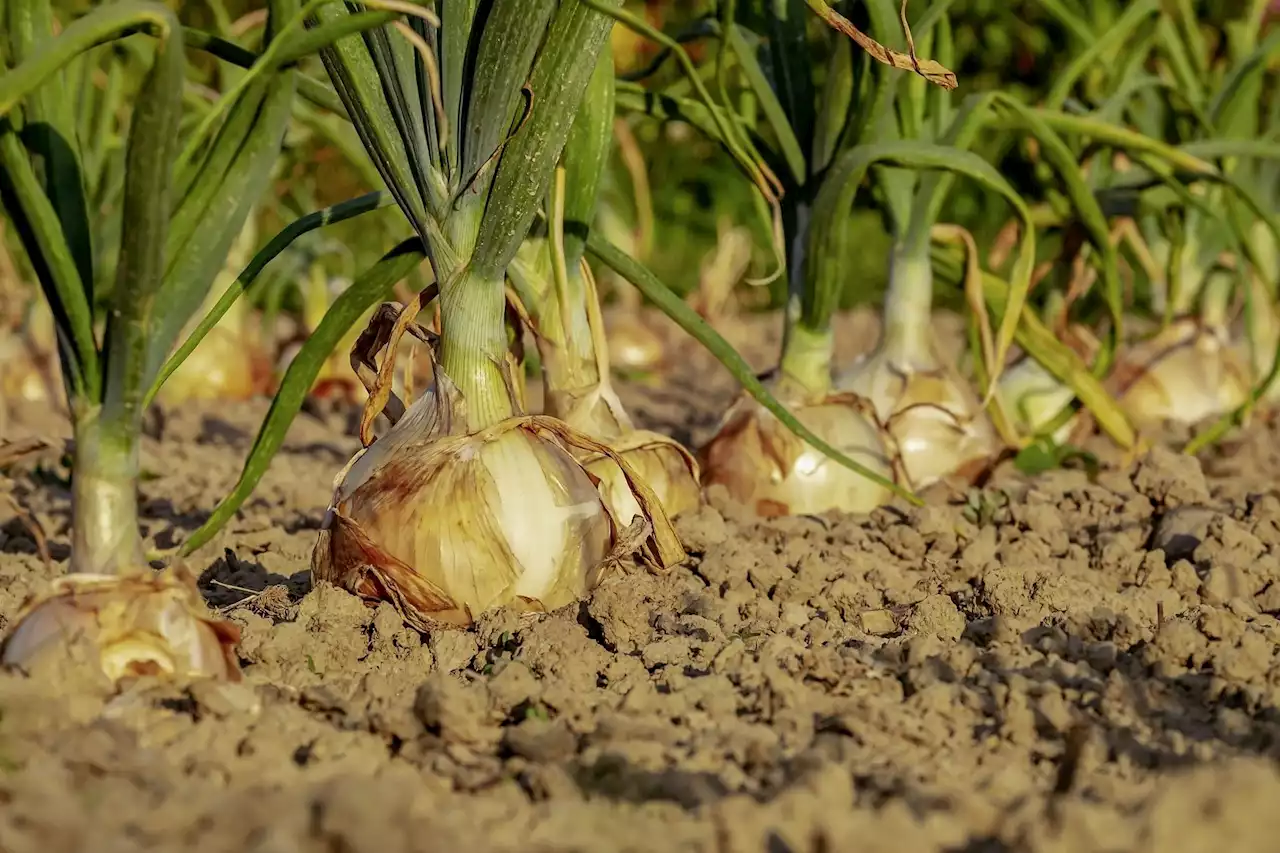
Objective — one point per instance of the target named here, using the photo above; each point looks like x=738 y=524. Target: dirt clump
x=1074 y=662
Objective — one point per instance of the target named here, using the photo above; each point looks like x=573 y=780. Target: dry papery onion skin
x=123 y=626
x=446 y=525
x=767 y=468
x=1185 y=373
x=663 y=463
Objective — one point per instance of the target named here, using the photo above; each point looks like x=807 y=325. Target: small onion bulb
x=123 y=626
x=1032 y=397
x=665 y=465
x=769 y=469
x=633 y=345
x=933 y=419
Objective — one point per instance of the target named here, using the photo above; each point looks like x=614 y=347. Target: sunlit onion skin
x=1184 y=374
x=936 y=425
x=767 y=468
x=124 y=626
x=447 y=524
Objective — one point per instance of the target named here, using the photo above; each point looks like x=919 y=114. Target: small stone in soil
x=878 y=623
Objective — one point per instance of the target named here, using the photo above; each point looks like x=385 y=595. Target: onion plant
x=186 y=191
x=179 y=216
x=1187 y=218
x=828 y=113
x=468 y=502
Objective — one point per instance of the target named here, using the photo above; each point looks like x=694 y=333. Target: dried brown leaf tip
x=930 y=70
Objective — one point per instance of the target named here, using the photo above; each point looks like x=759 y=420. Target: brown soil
x=1064 y=665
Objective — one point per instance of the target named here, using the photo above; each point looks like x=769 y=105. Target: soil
x=1074 y=662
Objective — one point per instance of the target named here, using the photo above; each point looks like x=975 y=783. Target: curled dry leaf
x=123 y=626
x=929 y=69
x=767 y=468
x=446 y=524
x=664 y=464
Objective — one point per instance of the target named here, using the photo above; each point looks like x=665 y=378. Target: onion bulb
x=447 y=524
x=934 y=423
x=123 y=626
x=632 y=344
x=935 y=426
x=1185 y=373
x=227 y=365
x=768 y=468
x=661 y=462
x=576 y=355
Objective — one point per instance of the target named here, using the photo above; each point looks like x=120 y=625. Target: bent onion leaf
x=329 y=216
x=368 y=289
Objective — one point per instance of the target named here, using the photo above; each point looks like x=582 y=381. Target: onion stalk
x=558 y=283
x=763 y=465
x=1191 y=201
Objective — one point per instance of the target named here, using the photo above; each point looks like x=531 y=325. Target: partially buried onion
x=122 y=626
x=1185 y=373
x=766 y=467
x=447 y=524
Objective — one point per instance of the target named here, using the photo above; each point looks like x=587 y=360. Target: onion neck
x=104 y=495
x=908 y=308
x=473 y=346
x=565 y=344
x=806 y=360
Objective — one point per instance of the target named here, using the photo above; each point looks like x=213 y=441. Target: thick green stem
x=806 y=360
x=1215 y=301
x=104 y=497
x=473 y=346
x=908 y=307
